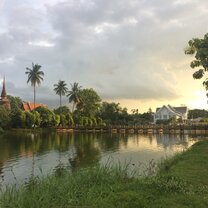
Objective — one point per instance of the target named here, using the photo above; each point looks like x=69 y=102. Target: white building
x=166 y=112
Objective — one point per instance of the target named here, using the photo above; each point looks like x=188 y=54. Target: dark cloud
x=124 y=49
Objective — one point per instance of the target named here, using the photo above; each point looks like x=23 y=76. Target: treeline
x=89 y=111
x=197 y=113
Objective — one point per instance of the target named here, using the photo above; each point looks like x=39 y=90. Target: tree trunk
x=60 y=101
x=34 y=96
x=73 y=107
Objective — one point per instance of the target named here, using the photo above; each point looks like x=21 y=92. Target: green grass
x=182 y=181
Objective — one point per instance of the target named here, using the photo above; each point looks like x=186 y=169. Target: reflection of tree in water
x=172 y=140
x=112 y=142
x=87 y=153
x=87 y=147
x=32 y=144
x=1 y=167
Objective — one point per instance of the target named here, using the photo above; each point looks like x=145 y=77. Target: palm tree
x=73 y=94
x=35 y=76
x=60 y=89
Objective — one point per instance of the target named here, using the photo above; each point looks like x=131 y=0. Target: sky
x=128 y=51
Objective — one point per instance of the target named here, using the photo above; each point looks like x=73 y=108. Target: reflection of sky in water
x=18 y=163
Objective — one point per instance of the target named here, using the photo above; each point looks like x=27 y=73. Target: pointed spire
x=3 y=93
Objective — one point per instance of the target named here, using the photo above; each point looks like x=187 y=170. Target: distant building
x=167 y=111
x=4 y=99
x=27 y=106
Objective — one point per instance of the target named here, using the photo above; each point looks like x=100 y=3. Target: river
x=26 y=154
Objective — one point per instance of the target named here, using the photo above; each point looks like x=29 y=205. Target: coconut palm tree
x=60 y=89
x=73 y=94
x=35 y=76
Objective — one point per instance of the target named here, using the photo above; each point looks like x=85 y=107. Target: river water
x=23 y=155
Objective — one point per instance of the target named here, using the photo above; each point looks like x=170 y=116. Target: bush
x=4 y=118
x=29 y=119
x=18 y=119
x=46 y=117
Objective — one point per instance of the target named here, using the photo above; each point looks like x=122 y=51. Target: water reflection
x=26 y=154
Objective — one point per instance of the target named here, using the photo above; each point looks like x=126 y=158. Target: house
x=167 y=111
x=28 y=106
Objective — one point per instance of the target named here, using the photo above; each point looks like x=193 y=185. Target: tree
x=15 y=102
x=37 y=118
x=60 y=89
x=18 y=119
x=196 y=113
x=4 y=117
x=61 y=110
x=47 y=117
x=63 y=120
x=55 y=120
x=29 y=119
x=199 y=48
x=109 y=112
x=69 y=119
x=35 y=76
x=89 y=102
x=74 y=94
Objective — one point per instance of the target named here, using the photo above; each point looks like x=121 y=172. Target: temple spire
x=3 y=93
x=4 y=100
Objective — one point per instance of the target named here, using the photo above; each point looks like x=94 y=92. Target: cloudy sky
x=129 y=51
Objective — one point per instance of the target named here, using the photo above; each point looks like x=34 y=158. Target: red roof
x=27 y=106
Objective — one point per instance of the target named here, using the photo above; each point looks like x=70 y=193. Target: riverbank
x=181 y=182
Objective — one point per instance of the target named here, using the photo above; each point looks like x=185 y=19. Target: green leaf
x=195 y=63
x=205 y=83
x=198 y=74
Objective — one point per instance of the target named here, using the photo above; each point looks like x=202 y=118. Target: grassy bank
x=182 y=181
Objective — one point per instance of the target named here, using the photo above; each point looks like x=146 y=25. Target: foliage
x=109 y=112
x=141 y=119
x=47 y=117
x=114 y=114
x=37 y=118
x=35 y=76
x=146 y=118
x=89 y=102
x=29 y=119
x=63 y=121
x=55 y=120
x=60 y=89
x=162 y=121
x=18 y=119
x=69 y=119
x=74 y=94
x=66 y=120
x=196 y=113
x=15 y=102
x=199 y=48
x=4 y=118
x=1 y=130
x=86 y=121
x=61 y=110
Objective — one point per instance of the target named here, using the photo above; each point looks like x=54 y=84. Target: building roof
x=27 y=106
x=181 y=109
